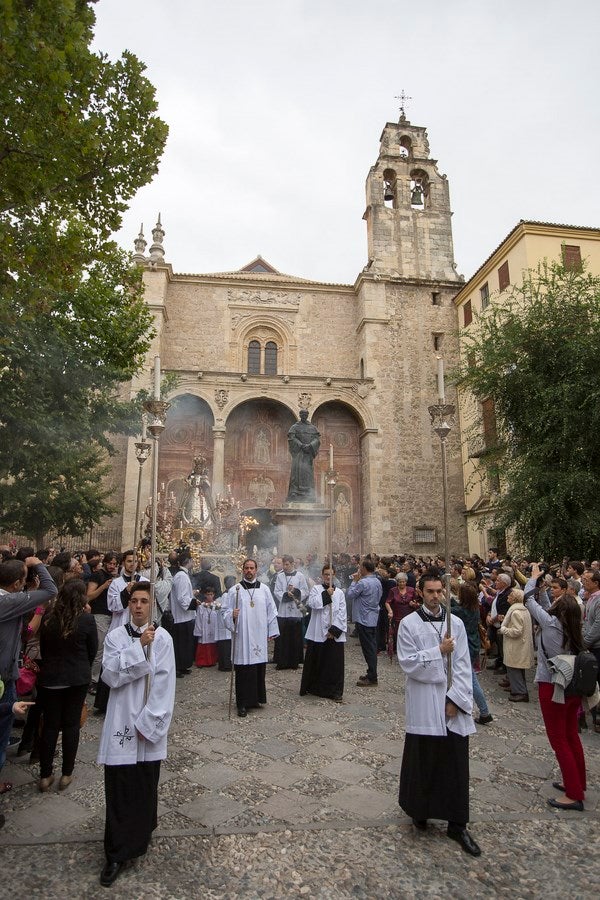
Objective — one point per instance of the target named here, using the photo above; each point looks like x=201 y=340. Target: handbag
x=483 y=638
x=27 y=677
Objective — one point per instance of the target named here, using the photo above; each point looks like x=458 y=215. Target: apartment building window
x=484 y=293
x=467 y=313
x=503 y=276
x=571 y=255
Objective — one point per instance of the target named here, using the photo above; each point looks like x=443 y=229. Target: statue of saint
x=342 y=515
x=197 y=507
x=303 y=441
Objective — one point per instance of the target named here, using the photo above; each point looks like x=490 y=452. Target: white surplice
x=120 y=613
x=288 y=609
x=182 y=594
x=124 y=669
x=205 y=626
x=256 y=623
x=421 y=661
x=323 y=617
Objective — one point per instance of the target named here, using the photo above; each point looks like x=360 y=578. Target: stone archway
x=188 y=432
x=257 y=464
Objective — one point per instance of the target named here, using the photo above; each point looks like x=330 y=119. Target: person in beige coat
x=518 y=647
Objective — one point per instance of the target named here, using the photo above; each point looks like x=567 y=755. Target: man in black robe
x=434 y=779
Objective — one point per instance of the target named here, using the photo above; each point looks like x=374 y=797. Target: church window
x=270 y=358
x=503 y=276
x=437 y=340
x=362 y=369
x=484 y=293
x=254 y=358
x=467 y=313
x=571 y=255
x=435 y=298
x=424 y=534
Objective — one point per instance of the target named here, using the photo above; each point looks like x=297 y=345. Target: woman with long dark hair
x=68 y=644
x=560 y=633
x=468 y=610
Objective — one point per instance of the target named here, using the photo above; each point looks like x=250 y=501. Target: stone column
x=218 y=472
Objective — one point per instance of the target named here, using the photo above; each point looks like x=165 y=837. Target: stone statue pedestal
x=301 y=529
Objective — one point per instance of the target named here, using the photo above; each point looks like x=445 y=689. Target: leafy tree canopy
x=79 y=135
x=536 y=356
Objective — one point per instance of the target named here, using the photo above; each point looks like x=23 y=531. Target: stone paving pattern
x=300 y=799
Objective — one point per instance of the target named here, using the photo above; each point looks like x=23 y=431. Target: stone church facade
x=252 y=347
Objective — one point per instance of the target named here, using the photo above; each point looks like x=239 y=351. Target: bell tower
x=408 y=208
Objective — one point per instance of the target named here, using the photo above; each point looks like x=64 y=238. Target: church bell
x=388 y=192
x=416 y=197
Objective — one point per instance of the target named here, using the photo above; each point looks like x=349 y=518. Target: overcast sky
x=276 y=107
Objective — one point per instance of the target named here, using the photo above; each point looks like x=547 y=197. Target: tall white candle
x=143 y=428
x=440 y=380
x=331 y=457
x=157 y=377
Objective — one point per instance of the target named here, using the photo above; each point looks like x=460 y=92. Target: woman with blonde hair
x=517 y=631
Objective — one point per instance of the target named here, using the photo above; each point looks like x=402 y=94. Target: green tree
x=536 y=355
x=79 y=135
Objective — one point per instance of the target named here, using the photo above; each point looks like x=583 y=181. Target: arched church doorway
x=188 y=433
x=257 y=464
x=339 y=427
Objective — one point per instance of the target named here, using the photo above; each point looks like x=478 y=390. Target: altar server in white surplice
x=250 y=611
x=323 y=672
x=291 y=592
x=434 y=780
x=134 y=736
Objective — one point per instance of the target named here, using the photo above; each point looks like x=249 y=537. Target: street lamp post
x=142 y=452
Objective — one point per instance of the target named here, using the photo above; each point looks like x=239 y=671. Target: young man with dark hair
x=139 y=667
x=250 y=615
x=434 y=779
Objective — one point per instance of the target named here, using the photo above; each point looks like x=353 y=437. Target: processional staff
x=237 y=600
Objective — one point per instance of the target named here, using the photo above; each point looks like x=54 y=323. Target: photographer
x=15 y=603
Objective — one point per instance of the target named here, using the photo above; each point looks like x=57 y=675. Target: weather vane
x=402 y=97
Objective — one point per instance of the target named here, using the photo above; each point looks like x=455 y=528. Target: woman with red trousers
x=560 y=633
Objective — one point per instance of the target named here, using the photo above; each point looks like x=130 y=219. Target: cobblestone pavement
x=300 y=799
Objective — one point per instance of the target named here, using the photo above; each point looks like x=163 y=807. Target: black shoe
x=462 y=836
x=558 y=786
x=484 y=720
x=242 y=712
x=420 y=824
x=110 y=873
x=577 y=805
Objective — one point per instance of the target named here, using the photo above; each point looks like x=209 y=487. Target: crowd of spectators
x=54 y=616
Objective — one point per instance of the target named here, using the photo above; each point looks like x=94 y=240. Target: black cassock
x=434 y=779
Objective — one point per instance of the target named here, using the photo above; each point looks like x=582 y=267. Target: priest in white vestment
x=434 y=779
x=323 y=672
x=250 y=614
x=138 y=657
